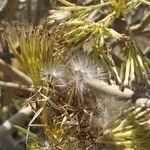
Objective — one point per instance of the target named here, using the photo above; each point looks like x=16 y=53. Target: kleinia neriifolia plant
x=85 y=99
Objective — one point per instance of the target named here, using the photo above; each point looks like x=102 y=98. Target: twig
x=15 y=86
x=136 y=29
x=14 y=73
x=16 y=89
x=17 y=119
x=145 y=2
x=66 y=3
x=91 y=7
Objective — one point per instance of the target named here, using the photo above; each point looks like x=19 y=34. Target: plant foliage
x=75 y=115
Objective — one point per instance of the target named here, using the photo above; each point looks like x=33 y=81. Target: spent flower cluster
x=74 y=73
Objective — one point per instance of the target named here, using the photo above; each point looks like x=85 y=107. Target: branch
x=15 y=73
x=17 y=88
x=136 y=29
x=17 y=119
x=66 y=3
x=145 y=2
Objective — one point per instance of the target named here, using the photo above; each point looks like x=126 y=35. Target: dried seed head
x=81 y=68
x=57 y=73
x=74 y=72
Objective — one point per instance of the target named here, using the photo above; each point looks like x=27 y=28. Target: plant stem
x=145 y=2
x=66 y=3
x=90 y=8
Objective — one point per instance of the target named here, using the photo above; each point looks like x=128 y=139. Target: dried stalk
x=15 y=86
x=15 y=73
x=136 y=29
x=17 y=119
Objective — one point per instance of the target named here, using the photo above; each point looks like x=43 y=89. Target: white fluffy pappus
x=57 y=73
x=81 y=68
x=74 y=73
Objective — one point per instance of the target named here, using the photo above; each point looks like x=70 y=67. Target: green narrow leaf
x=24 y=131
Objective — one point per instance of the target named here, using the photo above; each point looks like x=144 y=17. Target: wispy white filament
x=74 y=73
x=81 y=68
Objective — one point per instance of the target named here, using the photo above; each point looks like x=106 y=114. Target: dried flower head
x=70 y=78
x=55 y=74
x=81 y=68
x=74 y=72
